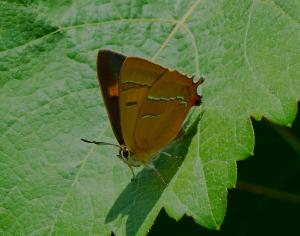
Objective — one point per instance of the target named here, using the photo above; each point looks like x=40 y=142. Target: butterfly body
x=146 y=104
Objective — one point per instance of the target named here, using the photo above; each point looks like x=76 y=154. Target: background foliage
x=51 y=183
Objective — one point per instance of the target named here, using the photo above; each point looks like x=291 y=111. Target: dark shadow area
x=275 y=166
x=141 y=195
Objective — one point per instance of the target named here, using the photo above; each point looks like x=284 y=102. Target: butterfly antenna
x=100 y=143
x=159 y=175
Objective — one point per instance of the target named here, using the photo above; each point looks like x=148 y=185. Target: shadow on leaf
x=142 y=195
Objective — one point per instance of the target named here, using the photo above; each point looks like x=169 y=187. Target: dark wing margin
x=109 y=65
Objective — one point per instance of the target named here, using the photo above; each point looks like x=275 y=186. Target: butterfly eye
x=124 y=153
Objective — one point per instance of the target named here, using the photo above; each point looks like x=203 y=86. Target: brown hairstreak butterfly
x=146 y=104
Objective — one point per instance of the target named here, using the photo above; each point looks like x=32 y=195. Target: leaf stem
x=287 y=136
x=268 y=192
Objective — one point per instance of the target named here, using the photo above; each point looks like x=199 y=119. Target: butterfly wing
x=163 y=111
x=108 y=69
x=136 y=78
x=153 y=105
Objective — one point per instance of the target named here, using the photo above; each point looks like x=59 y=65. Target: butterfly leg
x=133 y=174
x=180 y=134
x=152 y=167
x=170 y=155
x=157 y=155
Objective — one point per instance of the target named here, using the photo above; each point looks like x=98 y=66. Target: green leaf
x=51 y=183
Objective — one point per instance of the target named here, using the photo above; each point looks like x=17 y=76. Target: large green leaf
x=53 y=184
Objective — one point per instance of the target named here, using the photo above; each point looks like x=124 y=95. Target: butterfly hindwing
x=163 y=111
x=137 y=77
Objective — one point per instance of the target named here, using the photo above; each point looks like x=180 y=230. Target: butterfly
x=146 y=104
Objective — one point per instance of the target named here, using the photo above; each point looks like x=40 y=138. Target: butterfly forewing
x=108 y=68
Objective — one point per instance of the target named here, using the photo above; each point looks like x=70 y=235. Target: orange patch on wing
x=113 y=91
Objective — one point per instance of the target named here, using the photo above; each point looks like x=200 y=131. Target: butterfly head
x=128 y=157
x=124 y=153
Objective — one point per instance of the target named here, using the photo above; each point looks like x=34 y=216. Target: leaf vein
x=82 y=165
x=178 y=25
x=18 y=119
x=196 y=50
x=119 y=21
x=204 y=177
x=259 y=82
x=274 y=5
